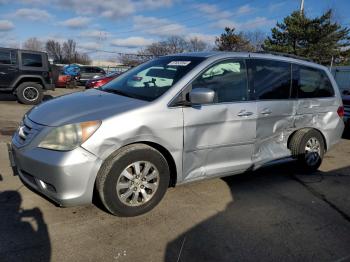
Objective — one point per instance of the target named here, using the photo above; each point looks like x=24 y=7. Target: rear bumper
x=67 y=178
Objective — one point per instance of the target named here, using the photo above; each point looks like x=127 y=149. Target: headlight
x=68 y=137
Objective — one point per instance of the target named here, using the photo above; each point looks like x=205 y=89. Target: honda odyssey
x=218 y=114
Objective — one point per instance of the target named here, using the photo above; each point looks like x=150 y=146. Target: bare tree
x=54 y=50
x=69 y=51
x=33 y=44
x=175 y=44
x=256 y=39
x=196 y=45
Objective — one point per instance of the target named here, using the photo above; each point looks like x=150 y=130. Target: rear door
x=219 y=137
x=317 y=104
x=8 y=67
x=270 y=82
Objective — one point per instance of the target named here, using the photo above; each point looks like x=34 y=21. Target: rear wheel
x=307 y=145
x=133 y=180
x=29 y=93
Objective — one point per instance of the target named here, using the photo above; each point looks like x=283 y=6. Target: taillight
x=341 y=111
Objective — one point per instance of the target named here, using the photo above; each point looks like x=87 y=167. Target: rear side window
x=228 y=79
x=269 y=79
x=5 y=57
x=31 y=60
x=311 y=83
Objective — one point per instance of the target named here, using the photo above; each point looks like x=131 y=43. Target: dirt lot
x=274 y=214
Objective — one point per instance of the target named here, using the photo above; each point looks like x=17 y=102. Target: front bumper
x=67 y=178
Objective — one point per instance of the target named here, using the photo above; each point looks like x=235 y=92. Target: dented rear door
x=270 y=84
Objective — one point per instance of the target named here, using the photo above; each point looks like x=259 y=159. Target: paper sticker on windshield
x=179 y=63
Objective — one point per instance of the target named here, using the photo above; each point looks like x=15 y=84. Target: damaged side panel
x=218 y=139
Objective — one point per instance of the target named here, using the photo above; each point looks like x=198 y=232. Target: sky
x=127 y=25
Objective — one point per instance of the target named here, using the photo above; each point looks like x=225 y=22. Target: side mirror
x=202 y=96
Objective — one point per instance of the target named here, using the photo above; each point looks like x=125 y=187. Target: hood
x=82 y=106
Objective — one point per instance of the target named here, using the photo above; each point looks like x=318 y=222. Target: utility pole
x=302 y=7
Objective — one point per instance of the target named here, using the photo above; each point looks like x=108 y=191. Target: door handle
x=266 y=111
x=244 y=113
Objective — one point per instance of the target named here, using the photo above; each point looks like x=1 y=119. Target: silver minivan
x=197 y=116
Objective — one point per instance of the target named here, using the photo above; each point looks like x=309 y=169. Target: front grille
x=26 y=132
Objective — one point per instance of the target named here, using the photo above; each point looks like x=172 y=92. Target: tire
x=121 y=191
x=309 y=159
x=29 y=93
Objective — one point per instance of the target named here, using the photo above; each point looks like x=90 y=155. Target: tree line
x=61 y=53
x=320 y=38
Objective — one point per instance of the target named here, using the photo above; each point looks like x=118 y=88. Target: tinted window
x=97 y=70
x=5 y=57
x=228 y=79
x=269 y=79
x=32 y=60
x=310 y=82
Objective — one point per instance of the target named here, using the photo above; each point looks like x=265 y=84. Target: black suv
x=24 y=73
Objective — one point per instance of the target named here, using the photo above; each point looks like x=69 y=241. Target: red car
x=62 y=80
x=100 y=81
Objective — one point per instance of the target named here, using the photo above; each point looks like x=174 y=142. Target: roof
x=281 y=57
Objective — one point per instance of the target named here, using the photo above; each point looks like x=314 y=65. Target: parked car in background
x=26 y=74
x=63 y=80
x=89 y=72
x=346 y=103
x=102 y=80
x=220 y=114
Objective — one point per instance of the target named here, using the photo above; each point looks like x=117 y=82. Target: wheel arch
x=162 y=150
x=307 y=128
x=34 y=79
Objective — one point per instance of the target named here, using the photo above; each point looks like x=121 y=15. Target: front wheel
x=29 y=93
x=133 y=180
x=307 y=145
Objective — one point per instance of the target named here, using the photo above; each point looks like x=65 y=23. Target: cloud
x=204 y=37
x=95 y=34
x=32 y=14
x=275 y=6
x=107 y=8
x=153 y=4
x=76 y=22
x=158 y=26
x=89 y=46
x=214 y=12
x=245 y=9
x=134 y=41
x=6 y=25
x=257 y=22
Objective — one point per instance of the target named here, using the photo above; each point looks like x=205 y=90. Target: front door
x=219 y=137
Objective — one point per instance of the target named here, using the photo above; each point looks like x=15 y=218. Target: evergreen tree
x=317 y=38
x=230 y=41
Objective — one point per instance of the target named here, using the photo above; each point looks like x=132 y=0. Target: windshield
x=152 y=79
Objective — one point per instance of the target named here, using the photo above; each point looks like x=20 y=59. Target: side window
x=228 y=79
x=311 y=83
x=269 y=79
x=31 y=60
x=5 y=57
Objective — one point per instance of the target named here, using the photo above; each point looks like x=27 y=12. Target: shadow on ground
x=11 y=97
x=23 y=233
x=270 y=219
